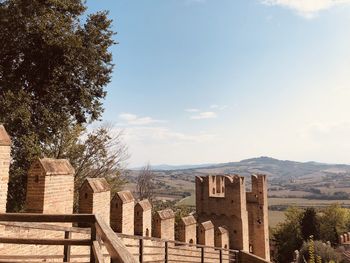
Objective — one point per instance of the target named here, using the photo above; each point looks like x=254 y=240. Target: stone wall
x=50 y=187
x=122 y=212
x=94 y=198
x=245 y=257
x=5 y=150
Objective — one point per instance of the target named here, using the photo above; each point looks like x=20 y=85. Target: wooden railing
x=98 y=235
x=150 y=249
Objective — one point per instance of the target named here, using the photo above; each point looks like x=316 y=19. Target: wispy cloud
x=204 y=115
x=132 y=119
x=218 y=107
x=307 y=8
x=165 y=135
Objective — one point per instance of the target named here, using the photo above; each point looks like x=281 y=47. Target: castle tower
x=187 y=229
x=222 y=237
x=122 y=213
x=5 y=156
x=206 y=233
x=163 y=224
x=94 y=198
x=143 y=218
x=258 y=217
x=50 y=187
x=222 y=199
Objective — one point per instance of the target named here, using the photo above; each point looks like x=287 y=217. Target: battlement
x=223 y=200
x=227 y=216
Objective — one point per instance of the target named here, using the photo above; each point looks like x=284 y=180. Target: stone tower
x=5 y=151
x=143 y=218
x=122 y=212
x=222 y=199
x=94 y=198
x=50 y=187
x=258 y=217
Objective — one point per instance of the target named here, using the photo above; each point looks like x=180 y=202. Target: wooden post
x=220 y=255
x=93 y=238
x=166 y=252
x=66 y=249
x=141 y=250
x=202 y=254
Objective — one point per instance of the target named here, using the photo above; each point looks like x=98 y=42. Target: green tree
x=309 y=224
x=53 y=70
x=287 y=235
x=318 y=252
x=334 y=221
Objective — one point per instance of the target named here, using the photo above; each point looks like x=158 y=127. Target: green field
x=303 y=202
x=275 y=217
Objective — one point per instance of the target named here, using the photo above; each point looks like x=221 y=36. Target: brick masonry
x=5 y=151
x=224 y=201
x=227 y=216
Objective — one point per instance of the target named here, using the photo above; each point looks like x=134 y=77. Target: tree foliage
x=287 y=235
x=53 y=70
x=318 y=252
x=334 y=221
x=309 y=224
x=325 y=225
x=100 y=152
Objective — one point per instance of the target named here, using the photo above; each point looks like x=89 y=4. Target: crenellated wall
x=224 y=201
x=226 y=217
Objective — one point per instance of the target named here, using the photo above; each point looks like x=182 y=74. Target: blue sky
x=205 y=81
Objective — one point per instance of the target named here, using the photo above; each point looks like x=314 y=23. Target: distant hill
x=274 y=168
x=287 y=179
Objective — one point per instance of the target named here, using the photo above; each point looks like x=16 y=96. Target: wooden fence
x=99 y=235
x=149 y=249
x=103 y=243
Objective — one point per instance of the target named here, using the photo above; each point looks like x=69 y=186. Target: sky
x=212 y=81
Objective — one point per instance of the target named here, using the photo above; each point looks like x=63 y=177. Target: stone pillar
x=50 y=187
x=5 y=151
x=163 y=224
x=143 y=218
x=95 y=198
x=122 y=213
x=206 y=234
x=258 y=217
x=222 y=237
x=187 y=230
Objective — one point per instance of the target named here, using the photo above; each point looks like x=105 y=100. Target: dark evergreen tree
x=309 y=224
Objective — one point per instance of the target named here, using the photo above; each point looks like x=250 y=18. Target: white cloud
x=204 y=115
x=132 y=119
x=307 y=8
x=163 y=134
x=219 y=107
x=192 y=110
